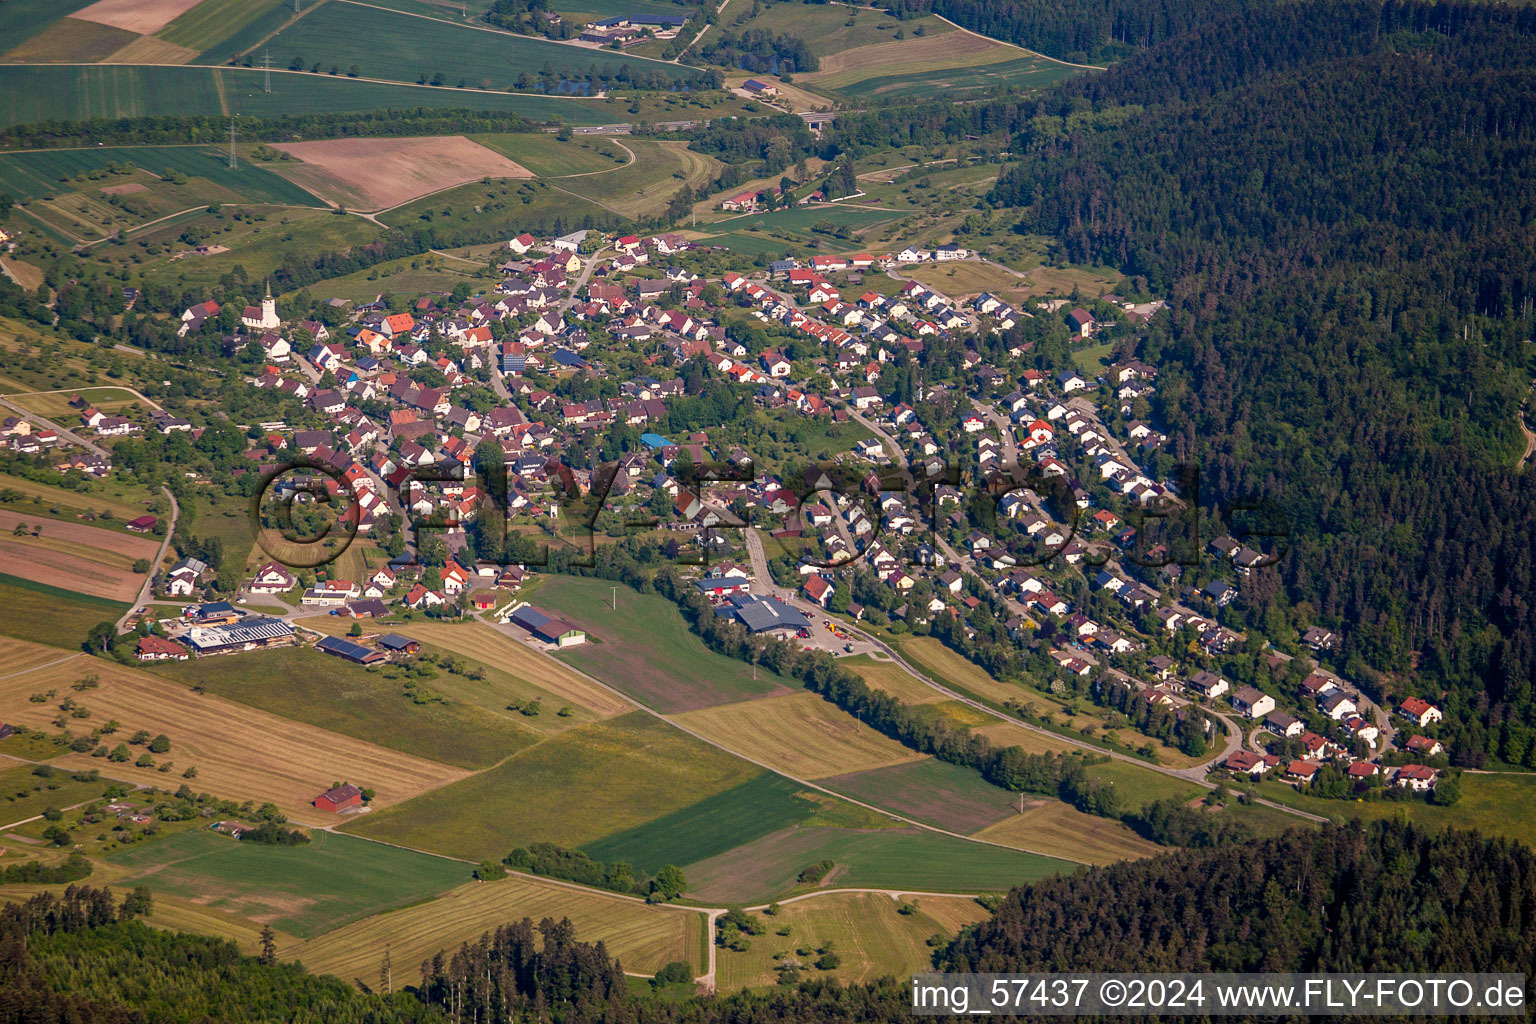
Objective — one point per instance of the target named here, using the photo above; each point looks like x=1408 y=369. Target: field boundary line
x=503 y=32
x=806 y=782
x=275 y=32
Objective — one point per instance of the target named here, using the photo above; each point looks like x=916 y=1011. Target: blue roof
x=654 y=441
x=530 y=617
x=347 y=649
x=565 y=357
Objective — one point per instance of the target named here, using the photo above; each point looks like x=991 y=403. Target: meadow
x=647 y=650
x=799 y=734
x=240 y=753
x=49 y=615
x=258 y=246
x=647 y=184
x=23 y=794
x=931 y=791
x=712 y=826
x=547 y=156
x=48 y=172
x=826 y=29
x=1058 y=829
x=892 y=858
x=71 y=40
x=303 y=890
x=368 y=704
x=938 y=70
x=22 y=19
x=643 y=938
x=572 y=789
x=871 y=937
x=408 y=48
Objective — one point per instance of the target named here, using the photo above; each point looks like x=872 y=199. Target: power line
x=266 y=63
x=232 y=159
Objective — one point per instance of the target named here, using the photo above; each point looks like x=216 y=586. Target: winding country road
x=149 y=578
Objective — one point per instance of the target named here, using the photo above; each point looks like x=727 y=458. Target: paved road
x=64 y=432
x=145 y=590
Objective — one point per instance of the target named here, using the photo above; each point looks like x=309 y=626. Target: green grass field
x=48 y=615
x=32 y=93
x=547 y=156
x=405 y=48
x=1140 y=786
x=886 y=858
x=710 y=827
x=647 y=184
x=259 y=247
x=303 y=890
x=647 y=651
x=925 y=79
x=308 y=686
x=40 y=173
x=23 y=794
x=214 y=20
x=931 y=791
x=825 y=28
x=20 y=20
x=32 y=498
x=573 y=789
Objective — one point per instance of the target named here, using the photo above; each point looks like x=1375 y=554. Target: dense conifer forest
x=1338 y=199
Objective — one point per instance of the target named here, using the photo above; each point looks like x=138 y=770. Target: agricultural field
x=259 y=247
x=306 y=685
x=49 y=615
x=408 y=48
x=24 y=794
x=143 y=17
x=647 y=650
x=892 y=678
x=71 y=40
x=29 y=94
x=644 y=938
x=799 y=734
x=1139 y=786
x=826 y=29
x=211 y=21
x=302 y=890
x=936 y=66
x=240 y=753
x=548 y=157
x=20 y=20
x=647 y=184
x=931 y=791
x=83 y=559
x=1061 y=830
x=375 y=174
x=892 y=858
x=712 y=826
x=505 y=207
x=43 y=173
x=871 y=938
x=519 y=673
x=572 y=789
x=968 y=277
x=17 y=656
x=1010 y=734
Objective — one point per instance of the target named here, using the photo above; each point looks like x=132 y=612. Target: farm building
x=761 y=614
x=758 y=88
x=143 y=524
x=716 y=587
x=339 y=799
x=548 y=628
x=250 y=634
x=350 y=651
x=155 y=648
x=214 y=613
x=397 y=644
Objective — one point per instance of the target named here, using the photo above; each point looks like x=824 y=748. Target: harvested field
x=485 y=643
x=377 y=174
x=142 y=16
x=871 y=937
x=799 y=734
x=123 y=190
x=1057 y=828
x=28 y=275
x=153 y=50
x=18 y=656
x=930 y=791
x=1006 y=734
x=178 y=915
x=25 y=559
x=572 y=789
x=239 y=752
x=644 y=938
x=893 y=679
x=125 y=544
x=71 y=41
